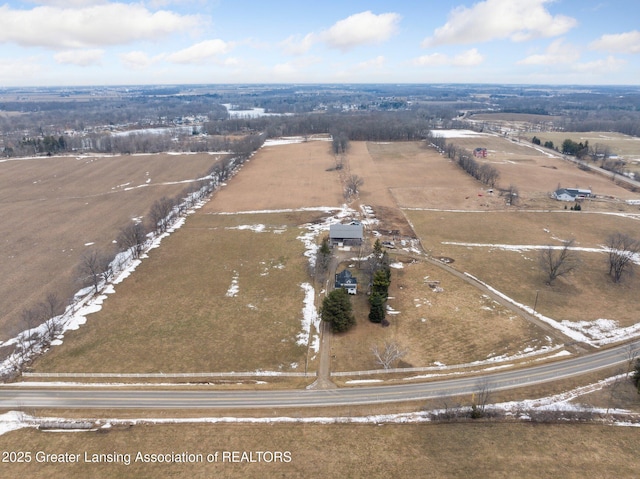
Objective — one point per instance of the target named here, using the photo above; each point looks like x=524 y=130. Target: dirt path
x=324 y=363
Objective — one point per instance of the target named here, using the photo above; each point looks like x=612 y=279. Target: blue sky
x=100 y=42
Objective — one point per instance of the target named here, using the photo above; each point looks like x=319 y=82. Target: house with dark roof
x=347 y=281
x=350 y=234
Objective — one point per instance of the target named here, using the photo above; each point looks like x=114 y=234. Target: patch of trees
x=336 y=310
x=579 y=150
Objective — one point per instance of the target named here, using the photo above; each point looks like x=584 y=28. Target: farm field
x=625 y=146
x=223 y=293
x=247 y=237
x=536 y=172
x=56 y=208
x=497 y=254
x=460 y=450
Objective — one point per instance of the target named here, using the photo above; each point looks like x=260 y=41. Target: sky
x=101 y=42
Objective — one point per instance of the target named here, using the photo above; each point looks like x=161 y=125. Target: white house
x=571 y=194
x=347 y=281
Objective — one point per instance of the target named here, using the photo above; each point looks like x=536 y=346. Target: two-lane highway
x=114 y=398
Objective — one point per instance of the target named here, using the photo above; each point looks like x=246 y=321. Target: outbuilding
x=350 y=234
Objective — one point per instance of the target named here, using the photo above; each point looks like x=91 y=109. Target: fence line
x=170 y=375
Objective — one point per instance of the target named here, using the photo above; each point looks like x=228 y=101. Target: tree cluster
x=579 y=150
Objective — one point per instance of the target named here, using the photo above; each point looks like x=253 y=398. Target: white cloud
x=435 y=59
x=136 y=60
x=200 y=52
x=295 y=45
x=361 y=29
x=518 y=20
x=465 y=59
x=628 y=42
x=556 y=53
x=599 y=67
x=377 y=62
x=81 y=58
x=468 y=59
x=89 y=26
x=70 y=3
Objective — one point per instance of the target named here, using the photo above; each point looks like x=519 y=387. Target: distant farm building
x=480 y=152
x=571 y=194
x=346 y=280
x=350 y=234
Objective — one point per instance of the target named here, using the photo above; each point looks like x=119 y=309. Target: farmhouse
x=350 y=234
x=571 y=194
x=480 y=152
x=346 y=280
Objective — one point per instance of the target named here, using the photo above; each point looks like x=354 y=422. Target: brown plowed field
x=54 y=209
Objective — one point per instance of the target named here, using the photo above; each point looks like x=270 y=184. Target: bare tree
x=93 y=267
x=488 y=175
x=511 y=194
x=52 y=306
x=480 y=399
x=388 y=354
x=354 y=182
x=160 y=214
x=632 y=353
x=621 y=249
x=556 y=262
x=132 y=238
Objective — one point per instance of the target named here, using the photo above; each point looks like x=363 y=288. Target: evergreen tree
x=377 y=312
x=381 y=282
x=336 y=310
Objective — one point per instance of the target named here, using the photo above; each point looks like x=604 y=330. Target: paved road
x=90 y=398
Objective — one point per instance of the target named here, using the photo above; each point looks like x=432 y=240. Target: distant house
x=480 y=152
x=346 y=280
x=350 y=234
x=571 y=194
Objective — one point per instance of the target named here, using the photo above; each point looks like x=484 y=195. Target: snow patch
x=233 y=290
x=309 y=318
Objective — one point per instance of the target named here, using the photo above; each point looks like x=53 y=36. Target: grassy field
x=178 y=312
x=424 y=322
x=537 y=174
x=625 y=146
x=179 y=293
x=54 y=209
x=588 y=294
x=478 y=450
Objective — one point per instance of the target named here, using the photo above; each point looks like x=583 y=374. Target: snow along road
x=86 y=398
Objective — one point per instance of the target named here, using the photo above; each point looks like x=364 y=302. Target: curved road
x=93 y=398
